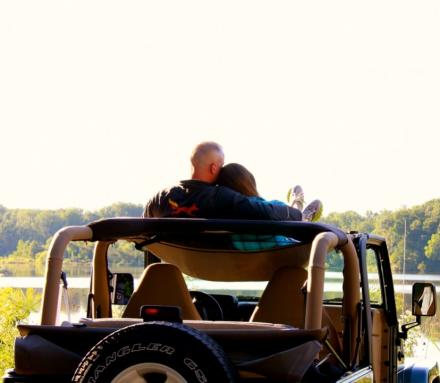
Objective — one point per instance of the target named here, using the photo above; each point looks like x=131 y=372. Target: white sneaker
x=295 y=197
x=313 y=211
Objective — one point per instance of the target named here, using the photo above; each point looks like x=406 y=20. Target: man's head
x=207 y=159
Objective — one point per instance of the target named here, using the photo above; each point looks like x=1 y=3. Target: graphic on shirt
x=176 y=209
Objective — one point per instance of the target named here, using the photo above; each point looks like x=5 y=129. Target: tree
x=26 y=250
x=16 y=306
x=24 y=232
x=432 y=249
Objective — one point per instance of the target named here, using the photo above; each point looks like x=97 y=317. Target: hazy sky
x=102 y=101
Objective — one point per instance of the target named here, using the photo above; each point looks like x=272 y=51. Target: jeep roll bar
x=319 y=238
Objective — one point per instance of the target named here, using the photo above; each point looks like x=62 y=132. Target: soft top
x=167 y=229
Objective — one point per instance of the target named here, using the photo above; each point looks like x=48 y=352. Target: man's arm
x=235 y=205
x=221 y=202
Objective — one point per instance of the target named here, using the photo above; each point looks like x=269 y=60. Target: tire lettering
x=110 y=359
x=200 y=376
x=124 y=351
x=197 y=371
x=167 y=350
x=98 y=371
x=138 y=347
x=153 y=346
x=190 y=364
x=163 y=348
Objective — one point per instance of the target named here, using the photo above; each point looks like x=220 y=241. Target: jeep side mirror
x=423 y=299
x=122 y=287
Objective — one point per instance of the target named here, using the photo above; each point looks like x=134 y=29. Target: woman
x=240 y=179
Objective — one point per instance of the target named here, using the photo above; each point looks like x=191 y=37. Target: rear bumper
x=12 y=377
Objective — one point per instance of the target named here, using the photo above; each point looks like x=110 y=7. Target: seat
x=161 y=284
x=283 y=300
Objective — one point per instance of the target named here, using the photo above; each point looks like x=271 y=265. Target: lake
x=79 y=286
x=403 y=283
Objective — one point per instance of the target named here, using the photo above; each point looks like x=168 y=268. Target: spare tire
x=156 y=352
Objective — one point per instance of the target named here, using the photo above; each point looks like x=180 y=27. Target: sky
x=103 y=101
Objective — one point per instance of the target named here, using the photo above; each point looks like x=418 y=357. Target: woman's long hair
x=238 y=178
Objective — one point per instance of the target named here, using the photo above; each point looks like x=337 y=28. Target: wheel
x=207 y=305
x=156 y=352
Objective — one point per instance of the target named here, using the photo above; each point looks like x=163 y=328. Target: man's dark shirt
x=198 y=199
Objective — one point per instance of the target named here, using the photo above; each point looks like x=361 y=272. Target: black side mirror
x=424 y=299
x=122 y=287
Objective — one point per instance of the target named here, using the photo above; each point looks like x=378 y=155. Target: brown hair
x=238 y=178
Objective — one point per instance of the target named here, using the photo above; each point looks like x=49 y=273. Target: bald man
x=207 y=159
x=200 y=197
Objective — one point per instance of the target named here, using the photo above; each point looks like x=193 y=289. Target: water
x=38 y=282
x=333 y=282
x=79 y=286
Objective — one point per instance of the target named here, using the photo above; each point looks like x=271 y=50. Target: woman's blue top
x=255 y=242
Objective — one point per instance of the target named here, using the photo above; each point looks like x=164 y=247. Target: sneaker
x=313 y=211
x=295 y=197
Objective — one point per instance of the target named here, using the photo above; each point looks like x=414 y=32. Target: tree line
x=420 y=223
x=27 y=233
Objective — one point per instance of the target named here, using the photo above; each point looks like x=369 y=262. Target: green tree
x=25 y=231
x=25 y=250
x=432 y=249
x=16 y=307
